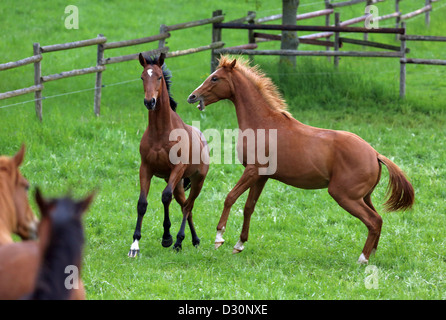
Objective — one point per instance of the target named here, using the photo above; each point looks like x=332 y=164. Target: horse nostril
x=150 y=104
x=191 y=98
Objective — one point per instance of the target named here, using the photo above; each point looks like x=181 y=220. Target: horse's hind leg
x=196 y=185
x=361 y=210
x=368 y=201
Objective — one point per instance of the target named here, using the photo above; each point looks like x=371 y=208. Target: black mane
x=167 y=77
x=64 y=249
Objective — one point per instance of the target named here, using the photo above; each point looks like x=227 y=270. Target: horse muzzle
x=150 y=104
x=193 y=98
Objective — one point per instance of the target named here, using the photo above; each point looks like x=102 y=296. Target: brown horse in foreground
x=159 y=156
x=38 y=269
x=306 y=157
x=16 y=216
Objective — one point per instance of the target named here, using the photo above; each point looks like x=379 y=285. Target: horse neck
x=250 y=106
x=160 y=120
x=64 y=248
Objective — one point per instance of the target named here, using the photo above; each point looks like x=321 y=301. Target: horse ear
x=84 y=204
x=42 y=203
x=18 y=158
x=142 y=60
x=161 y=59
x=233 y=63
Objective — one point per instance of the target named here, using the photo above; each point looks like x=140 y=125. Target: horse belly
x=303 y=180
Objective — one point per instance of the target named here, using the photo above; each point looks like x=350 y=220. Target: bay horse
x=306 y=157
x=37 y=270
x=157 y=148
x=16 y=216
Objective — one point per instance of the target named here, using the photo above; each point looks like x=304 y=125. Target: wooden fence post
x=216 y=36
x=427 y=18
x=403 y=63
x=336 y=41
x=98 y=86
x=397 y=19
x=327 y=23
x=366 y=35
x=162 y=42
x=251 y=38
x=37 y=81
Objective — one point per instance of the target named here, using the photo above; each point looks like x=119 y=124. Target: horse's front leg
x=248 y=178
x=174 y=179
x=254 y=194
x=144 y=180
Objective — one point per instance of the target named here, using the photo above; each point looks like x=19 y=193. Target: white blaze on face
x=149 y=72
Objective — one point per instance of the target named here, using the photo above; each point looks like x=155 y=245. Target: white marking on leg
x=238 y=247
x=219 y=237
x=362 y=259
x=135 y=245
x=149 y=72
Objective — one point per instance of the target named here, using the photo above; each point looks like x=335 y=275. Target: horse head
x=15 y=212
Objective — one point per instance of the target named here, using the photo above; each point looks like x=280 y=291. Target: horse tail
x=400 y=192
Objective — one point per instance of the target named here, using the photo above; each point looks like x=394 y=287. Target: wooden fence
x=103 y=47
x=251 y=24
x=328 y=31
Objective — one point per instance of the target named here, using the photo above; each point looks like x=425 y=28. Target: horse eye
x=142 y=78
x=214 y=79
x=160 y=78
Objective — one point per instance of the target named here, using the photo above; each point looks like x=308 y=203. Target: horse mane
x=64 y=249
x=167 y=74
x=263 y=83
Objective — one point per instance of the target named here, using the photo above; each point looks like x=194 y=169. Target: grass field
x=302 y=245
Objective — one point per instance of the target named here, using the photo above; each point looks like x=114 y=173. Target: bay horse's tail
x=400 y=191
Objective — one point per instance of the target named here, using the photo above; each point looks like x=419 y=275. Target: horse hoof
x=166 y=243
x=362 y=259
x=196 y=243
x=218 y=244
x=238 y=247
x=177 y=247
x=134 y=249
x=133 y=253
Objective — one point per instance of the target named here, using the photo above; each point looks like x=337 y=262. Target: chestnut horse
x=38 y=269
x=306 y=157
x=16 y=215
x=159 y=154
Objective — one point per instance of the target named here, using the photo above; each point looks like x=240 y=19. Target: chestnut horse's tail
x=400 y=191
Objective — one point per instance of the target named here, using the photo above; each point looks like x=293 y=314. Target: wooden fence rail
x=249 y=23
x=404 y=60
x=102 y=47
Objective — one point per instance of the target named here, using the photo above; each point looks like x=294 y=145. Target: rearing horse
x=306 y=157
x=16 y=215
x=159 y=154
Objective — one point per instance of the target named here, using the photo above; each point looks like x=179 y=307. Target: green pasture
x=302 y=245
